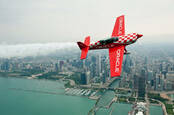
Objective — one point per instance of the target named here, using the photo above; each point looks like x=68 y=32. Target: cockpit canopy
x=109 y=40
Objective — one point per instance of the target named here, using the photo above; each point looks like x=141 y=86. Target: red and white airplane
x=116 y=45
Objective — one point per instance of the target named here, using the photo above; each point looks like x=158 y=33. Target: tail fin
x=84 y=47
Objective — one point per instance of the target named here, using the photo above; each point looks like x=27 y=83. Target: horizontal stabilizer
x=81 y=45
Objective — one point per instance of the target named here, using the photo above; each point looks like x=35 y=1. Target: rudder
x=84 y=47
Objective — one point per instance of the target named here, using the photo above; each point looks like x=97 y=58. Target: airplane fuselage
x=120 y=40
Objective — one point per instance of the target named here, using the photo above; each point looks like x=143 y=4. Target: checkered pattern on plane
x=127 y=38
x=96 y=43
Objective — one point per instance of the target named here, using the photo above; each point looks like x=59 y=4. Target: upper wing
x=119 y=27
x=116 y=58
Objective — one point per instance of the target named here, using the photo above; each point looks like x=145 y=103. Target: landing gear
x=125 y=52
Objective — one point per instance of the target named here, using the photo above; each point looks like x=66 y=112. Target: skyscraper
x=83 y=78
x=5 y=65
x=61 y=63
x=98 y=65
x=56 y=67
x=141 y=87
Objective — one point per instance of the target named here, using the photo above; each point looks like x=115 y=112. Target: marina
x=80 y=92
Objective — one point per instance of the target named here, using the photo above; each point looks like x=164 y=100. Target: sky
x=57 y=21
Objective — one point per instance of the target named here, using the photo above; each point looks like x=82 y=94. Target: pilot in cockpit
x=110 y=40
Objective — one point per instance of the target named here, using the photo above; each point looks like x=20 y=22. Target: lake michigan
x=20 y=96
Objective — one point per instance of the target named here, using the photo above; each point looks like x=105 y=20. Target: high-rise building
x=61 y=63
x=104 y=69
x=93 y=67
x=87 y=77
x=150 y=76
x=168 y=85
x=83 y=78
x=5 y=65
x=127 y=64
x=98 y=65
x=141 y=87
x=135 y=82
x=159 y=82
x=170 y=76
x=56 y=67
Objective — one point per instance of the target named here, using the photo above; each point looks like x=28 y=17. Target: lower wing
x=116 y=58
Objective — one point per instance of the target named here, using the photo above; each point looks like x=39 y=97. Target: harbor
x=91 y=94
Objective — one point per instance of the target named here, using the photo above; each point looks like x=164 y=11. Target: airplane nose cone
x=139 y=35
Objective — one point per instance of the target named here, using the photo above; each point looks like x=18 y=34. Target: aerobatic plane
x=116 y=45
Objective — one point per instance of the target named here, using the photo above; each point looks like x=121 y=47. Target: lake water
x=43 y=97
x=36 y=102
x=172 y=96
x=155 y=110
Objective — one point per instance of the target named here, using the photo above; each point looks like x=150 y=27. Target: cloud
x=23 y=50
